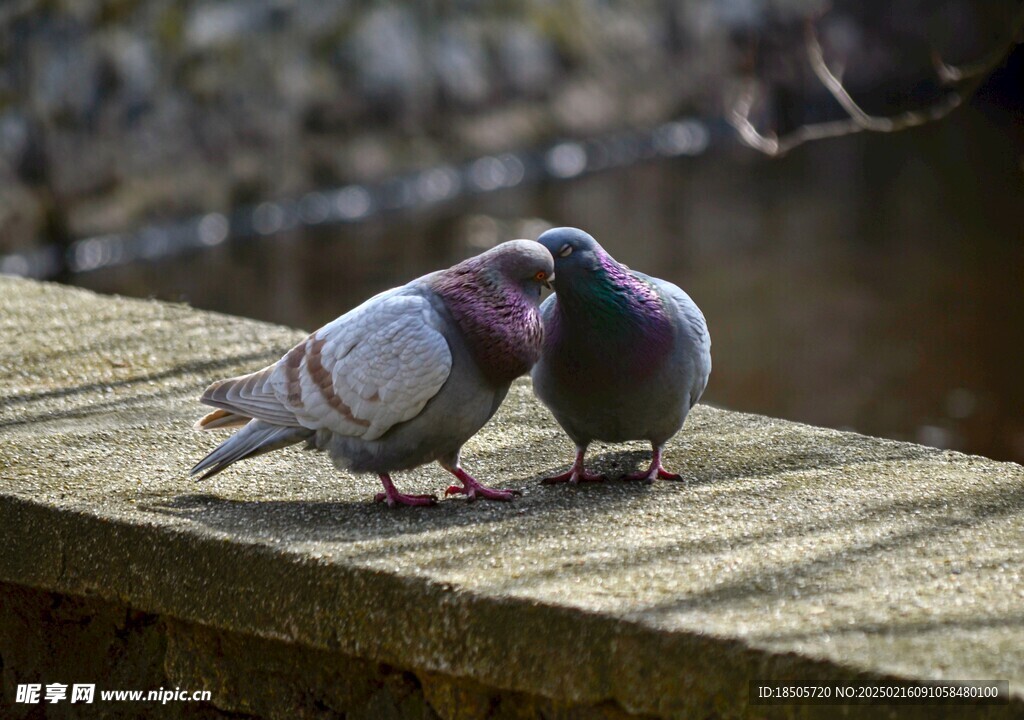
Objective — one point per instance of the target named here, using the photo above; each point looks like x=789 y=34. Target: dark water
x=873 y=282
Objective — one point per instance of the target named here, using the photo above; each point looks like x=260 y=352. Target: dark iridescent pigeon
x=625 y=355
x=405 y=378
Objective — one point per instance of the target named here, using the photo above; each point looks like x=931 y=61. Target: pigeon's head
x=575 y=252
x=523 y=263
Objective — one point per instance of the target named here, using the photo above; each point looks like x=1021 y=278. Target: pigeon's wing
x=691 y=324
x=547 y=308
x=369 y=370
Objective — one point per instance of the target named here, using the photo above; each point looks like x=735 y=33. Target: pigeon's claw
x=648 y=475
x=573 y=476
x=403 y=499
x=577 y=473
x=472 y=493
x=392 y=497
x=654 y=472
x=472 y=488
x=560 y=478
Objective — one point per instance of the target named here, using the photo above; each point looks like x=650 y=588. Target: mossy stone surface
x=791 y=554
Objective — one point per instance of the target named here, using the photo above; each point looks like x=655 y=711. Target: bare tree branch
x=953 y=74
x=858 y=120
x=863 y=120
x=770 y=143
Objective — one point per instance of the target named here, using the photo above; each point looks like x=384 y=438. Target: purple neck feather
x=501 y=325
x=611 y=309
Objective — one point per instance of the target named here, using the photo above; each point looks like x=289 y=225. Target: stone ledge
x=794 y=554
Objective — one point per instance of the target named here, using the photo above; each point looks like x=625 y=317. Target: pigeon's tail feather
x=256 y=438
x=251 y=395
x=221 y=419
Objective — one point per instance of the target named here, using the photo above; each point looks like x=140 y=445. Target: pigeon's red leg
x=576 y=474
x=655 y=471
x=472 y=488
x=392 y=497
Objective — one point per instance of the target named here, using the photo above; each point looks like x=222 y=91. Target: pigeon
x=625 y=355
x=402 y=380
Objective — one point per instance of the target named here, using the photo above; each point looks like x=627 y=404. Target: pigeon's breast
x=609 y=339
x=500 y=327
x=505 y=340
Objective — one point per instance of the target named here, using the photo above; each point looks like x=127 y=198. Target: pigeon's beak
x=547 y=283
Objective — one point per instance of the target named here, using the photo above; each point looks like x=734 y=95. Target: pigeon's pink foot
x=576 y=474
x=573 y=476
x=392 y=497
x=472 y=488
x=398 y=498
x=654 y=472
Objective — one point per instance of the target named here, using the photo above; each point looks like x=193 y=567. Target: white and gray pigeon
x=626 y=355
x=402 y=380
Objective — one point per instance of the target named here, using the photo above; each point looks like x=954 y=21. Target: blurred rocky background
x=117 y=113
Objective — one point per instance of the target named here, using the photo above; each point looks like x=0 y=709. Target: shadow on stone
x=362 y=519
x=176 y=371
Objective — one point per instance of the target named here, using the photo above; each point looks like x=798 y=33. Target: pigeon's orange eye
x=541 y=275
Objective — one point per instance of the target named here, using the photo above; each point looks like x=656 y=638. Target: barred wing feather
x=369 y=370
x=360 y=375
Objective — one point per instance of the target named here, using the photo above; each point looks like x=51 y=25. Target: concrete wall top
x=792 y=554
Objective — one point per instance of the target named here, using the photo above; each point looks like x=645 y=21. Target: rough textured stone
x=47 y=637
x=792 y=553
